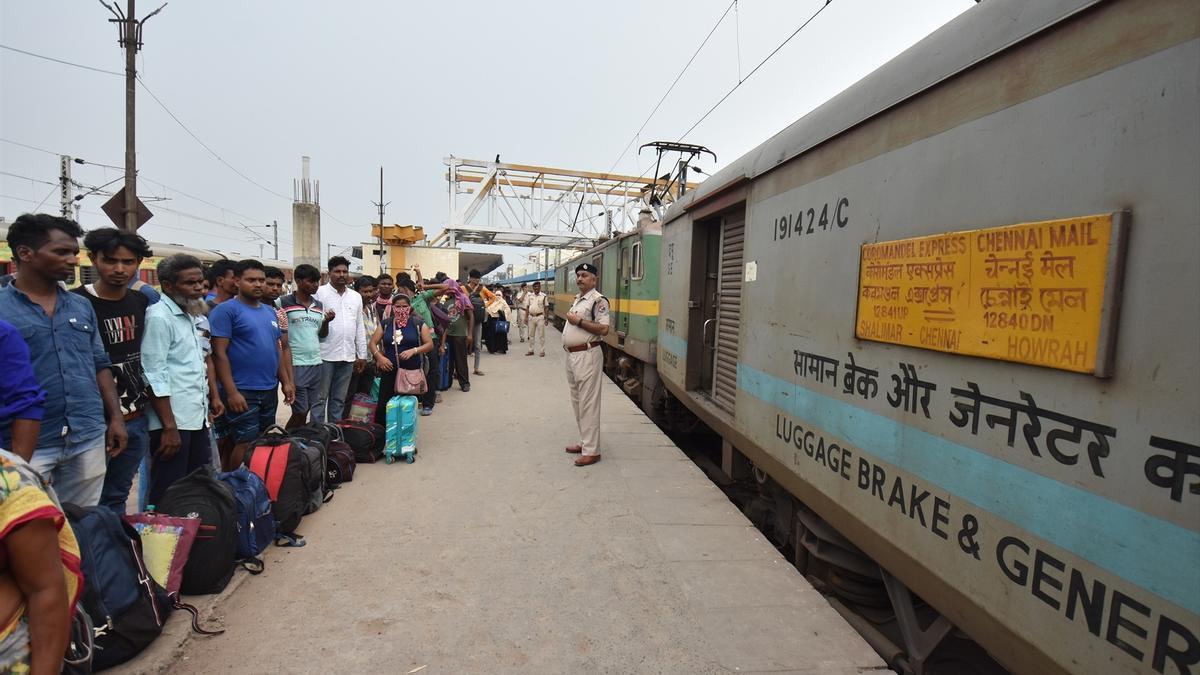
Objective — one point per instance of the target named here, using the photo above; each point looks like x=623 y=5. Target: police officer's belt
x=583 y=347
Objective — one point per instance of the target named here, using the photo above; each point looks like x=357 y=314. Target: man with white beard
x=177 y=368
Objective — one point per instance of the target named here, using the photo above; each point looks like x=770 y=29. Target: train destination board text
x=1032 y=293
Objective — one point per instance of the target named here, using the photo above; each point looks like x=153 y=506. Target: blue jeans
x=118 y=480
x=75 y=470
x=246 y=426
x=332 y=394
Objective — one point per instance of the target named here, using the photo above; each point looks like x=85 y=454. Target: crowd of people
x=115 y=377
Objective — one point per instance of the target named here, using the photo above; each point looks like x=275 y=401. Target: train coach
x=147 y=271
x=950 y=320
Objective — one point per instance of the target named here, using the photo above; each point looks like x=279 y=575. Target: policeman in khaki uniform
x=536 y=318
x=587 y=324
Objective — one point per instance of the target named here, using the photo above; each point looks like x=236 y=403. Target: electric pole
x=66 y=199
x=130 y=32
x=275 y=226
x=381 y=204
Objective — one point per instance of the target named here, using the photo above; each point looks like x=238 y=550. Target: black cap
x=586 y=267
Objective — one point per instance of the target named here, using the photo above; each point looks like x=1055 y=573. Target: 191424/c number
x=810 y=221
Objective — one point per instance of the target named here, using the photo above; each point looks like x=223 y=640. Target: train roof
x=653 y=228
x=163 y=249
x=977 y=34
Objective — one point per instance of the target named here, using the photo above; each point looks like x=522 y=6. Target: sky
x=359 y=84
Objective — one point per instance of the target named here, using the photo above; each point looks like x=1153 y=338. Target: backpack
x=339 y=460
x=277 y=460
x=364 y=438
x=213 y=556
x=126 y=606
x=479 y=308
x=314 y=440
x=256 y=523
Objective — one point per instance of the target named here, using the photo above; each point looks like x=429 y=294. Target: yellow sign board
x=1039 y=293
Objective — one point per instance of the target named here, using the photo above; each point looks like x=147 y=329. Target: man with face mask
x=176 y=368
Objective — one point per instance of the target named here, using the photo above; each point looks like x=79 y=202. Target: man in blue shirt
x=175 y=364
x=246 y=353
x=22 y=401
x=82 y=417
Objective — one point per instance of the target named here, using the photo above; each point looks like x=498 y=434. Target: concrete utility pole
x=275 y=236
x=66 y=199
x=381 y=204
x=130 y=31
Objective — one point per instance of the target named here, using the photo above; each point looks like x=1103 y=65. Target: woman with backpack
x=39 y=552
x=396 y=347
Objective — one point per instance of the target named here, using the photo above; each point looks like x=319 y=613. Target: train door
x=719 y=242
x=620 y=306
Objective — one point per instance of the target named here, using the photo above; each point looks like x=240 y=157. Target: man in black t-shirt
x=121 y=315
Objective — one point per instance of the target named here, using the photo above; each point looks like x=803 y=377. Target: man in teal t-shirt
x=307 y=326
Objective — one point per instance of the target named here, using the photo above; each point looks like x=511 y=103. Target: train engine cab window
x=636 y=264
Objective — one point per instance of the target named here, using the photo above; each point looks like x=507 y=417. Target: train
x=147 y=271
x=946 y=324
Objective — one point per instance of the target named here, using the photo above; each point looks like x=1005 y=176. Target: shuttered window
x=729 y=312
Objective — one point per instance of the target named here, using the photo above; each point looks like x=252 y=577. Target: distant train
x=950 y=318
x=147 y=272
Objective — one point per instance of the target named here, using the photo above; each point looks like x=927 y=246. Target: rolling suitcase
x=445 y=377
x=401 y=434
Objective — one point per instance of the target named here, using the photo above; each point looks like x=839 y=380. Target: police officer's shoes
x=574 y=449
x=586 y=460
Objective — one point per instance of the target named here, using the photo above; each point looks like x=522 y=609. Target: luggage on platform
x=212 y=559
x=445 y=377
x=362 y=406
x=339 y=457
x=277 y=459
x=364 y=438
x=340 y=463
x=401 y=432
x=256 y=522
x=119 y=594
x=312 y=471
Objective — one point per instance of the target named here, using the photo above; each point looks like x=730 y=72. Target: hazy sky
x=356 y=85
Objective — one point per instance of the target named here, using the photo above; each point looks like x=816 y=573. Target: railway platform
x=494 y=553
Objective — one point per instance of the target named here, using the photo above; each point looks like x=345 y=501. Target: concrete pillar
x=306 y=234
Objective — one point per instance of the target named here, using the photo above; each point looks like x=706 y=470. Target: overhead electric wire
x=34 y=180
x=65 y=63
x=751 y=73
x=204 y=145
x=31 y=147
x=172 y=115
x=675 y=82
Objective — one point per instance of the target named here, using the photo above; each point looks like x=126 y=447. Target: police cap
x=586 y=267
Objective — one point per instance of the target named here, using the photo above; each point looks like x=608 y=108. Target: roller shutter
x=729 y=312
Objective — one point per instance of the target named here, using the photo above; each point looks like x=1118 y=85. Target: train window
x=87 y=274
x=636 y=269
x=625 y=268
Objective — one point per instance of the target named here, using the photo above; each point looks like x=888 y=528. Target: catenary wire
x=751 y=73
x=676 y=81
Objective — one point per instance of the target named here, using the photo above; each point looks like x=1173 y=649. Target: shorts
x=247 y=426
x=308 y=386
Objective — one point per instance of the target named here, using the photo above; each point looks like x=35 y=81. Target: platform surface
x=494 y=553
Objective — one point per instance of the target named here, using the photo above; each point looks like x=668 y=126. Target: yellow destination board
x=1033 y=293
